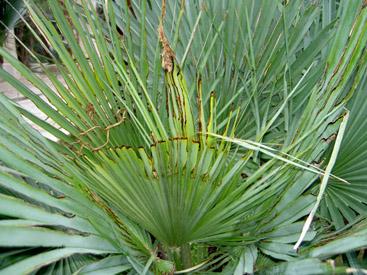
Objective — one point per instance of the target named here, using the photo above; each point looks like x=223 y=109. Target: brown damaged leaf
x=168 y=56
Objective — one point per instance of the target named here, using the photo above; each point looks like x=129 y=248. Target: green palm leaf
x=208 y=164
x=343 y=203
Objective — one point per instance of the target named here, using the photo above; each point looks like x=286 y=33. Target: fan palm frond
x=187 y=137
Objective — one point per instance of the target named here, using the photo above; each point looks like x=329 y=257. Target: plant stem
x=185 y=251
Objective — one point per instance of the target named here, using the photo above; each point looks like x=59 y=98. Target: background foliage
x=210 y=164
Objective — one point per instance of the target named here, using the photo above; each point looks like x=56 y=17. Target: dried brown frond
x=168 y=55
x=163 y=9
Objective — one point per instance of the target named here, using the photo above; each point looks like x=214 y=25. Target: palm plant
x=13 y=13
x=10 y=13
x=192 y=136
